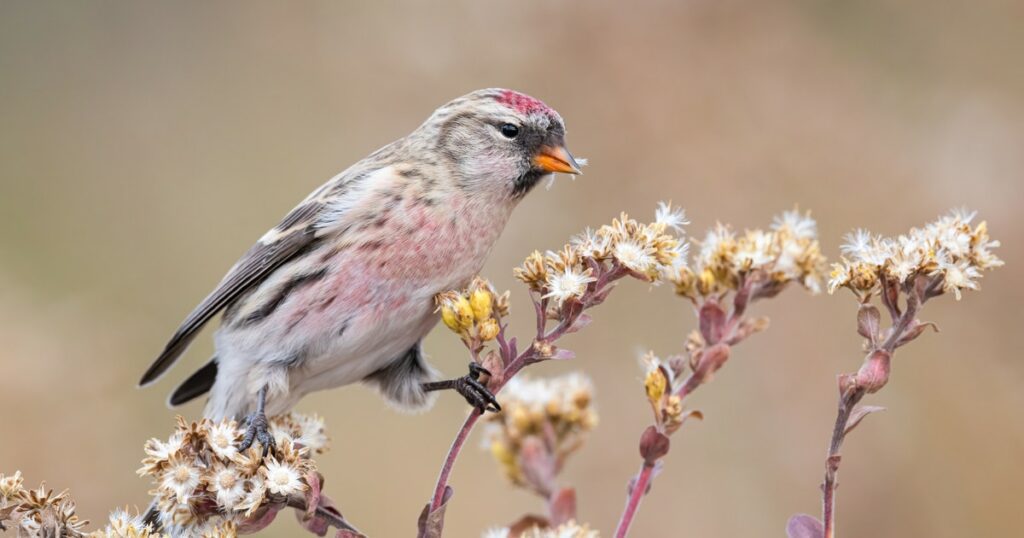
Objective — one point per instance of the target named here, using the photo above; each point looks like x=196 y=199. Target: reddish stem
x=828 y=488
x=449 y=461
x=643 y=479
x=853 y=396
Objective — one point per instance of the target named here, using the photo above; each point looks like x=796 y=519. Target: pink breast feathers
x=523 y=103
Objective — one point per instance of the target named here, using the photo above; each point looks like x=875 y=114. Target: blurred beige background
x=144 y=146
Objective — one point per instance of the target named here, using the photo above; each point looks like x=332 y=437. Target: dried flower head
x=10 y=487
x=556 y=411
x=204 y=485
x=787 y=252
x=569 y=277
x=37 y=512
x=123 y=524
x=949 y=248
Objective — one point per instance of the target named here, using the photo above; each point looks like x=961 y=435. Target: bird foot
x=470 y=387
x=257 y=429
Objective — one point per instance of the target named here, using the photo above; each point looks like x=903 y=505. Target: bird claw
x=257 y=428
x=475 y=392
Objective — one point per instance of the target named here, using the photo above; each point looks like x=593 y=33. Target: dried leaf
x=581 y=322
x=747 y=327
x=260 y=520
x=712 y=322
x=562 y=506
x=914 y=330
x=804 y=526
x=324 y=516
x=869 y=321
x=431 y=523
x=858 y=415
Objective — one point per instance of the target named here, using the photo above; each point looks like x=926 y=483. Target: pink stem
x=643 y=479
x=449 y=461
x=467 y=427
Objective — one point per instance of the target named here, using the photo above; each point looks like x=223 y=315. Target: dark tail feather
x=196 y=385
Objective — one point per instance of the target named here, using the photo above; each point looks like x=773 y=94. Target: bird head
x=501 y=142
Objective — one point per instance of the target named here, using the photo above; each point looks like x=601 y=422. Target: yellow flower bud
x=450 y=318
x=655 y=383
x=488 y=329
x=481 y=300
x=465 y=312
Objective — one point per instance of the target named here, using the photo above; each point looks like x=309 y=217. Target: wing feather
x=327 y=211
x=295 y=233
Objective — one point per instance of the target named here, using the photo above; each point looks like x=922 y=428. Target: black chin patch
x=526 y=182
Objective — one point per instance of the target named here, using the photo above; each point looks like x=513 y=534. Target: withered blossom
x=787 y=252
x=950 y=248
x=542 y=422
x=205 y=487
x=37 y=512
x=647 y=251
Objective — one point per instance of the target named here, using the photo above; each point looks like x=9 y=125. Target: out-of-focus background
x=144 y=146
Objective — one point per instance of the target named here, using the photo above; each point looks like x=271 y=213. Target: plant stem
x=643 y=480
x=849 y=399
x=467 y=427
x=828 y=488
x=449 y=461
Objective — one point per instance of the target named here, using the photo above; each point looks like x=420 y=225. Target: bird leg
x=257 y=427
x=470 y=387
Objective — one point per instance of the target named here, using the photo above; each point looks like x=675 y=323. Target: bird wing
x=257 y=263
x=323 y=212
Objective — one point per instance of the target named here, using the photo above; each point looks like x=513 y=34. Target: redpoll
x=342 y=290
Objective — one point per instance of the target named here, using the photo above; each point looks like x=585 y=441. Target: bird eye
x=509 y=131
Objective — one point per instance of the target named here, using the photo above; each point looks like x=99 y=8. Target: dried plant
x=204 y=486
x=946 y=256
x=37 y=512
x=203 y=482
x=542 y=422
x=728 y=274
x=563 y=285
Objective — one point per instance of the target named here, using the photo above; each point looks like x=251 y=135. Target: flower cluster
x=788 y=252
x=647 y=251
x=569 y=529
x=661 y=386
x=204 y=482
x=37 y=512
x=542 y=421
x=950 y=249
x=474 y=313
x=123 y=524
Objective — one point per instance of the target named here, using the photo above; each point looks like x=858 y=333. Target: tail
x=196 y=385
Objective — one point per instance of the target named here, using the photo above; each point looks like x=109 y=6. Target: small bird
x=342 y=290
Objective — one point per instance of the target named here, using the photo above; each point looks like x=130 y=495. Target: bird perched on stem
x=341 y=291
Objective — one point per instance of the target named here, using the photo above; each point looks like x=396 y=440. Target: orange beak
x=556 y=159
